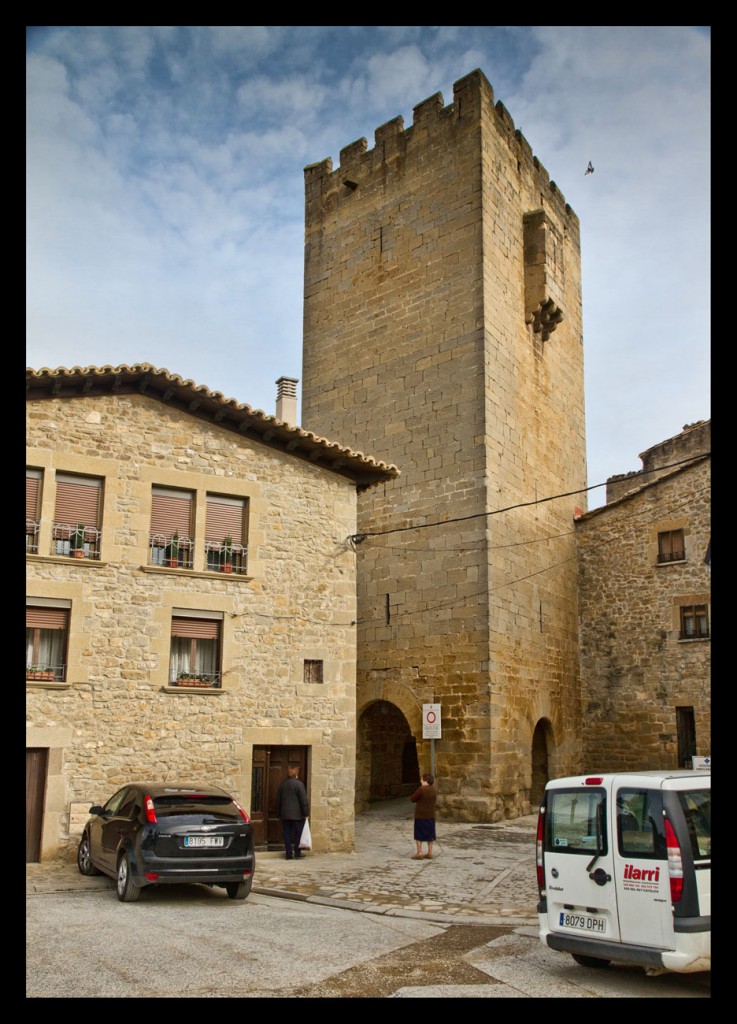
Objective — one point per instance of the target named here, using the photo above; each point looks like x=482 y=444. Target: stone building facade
x=153 y=663
x=645 y=611
x=442 y=328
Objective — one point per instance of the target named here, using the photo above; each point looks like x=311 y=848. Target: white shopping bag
x=305 y=842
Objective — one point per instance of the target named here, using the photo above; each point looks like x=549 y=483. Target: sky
x=165 y=194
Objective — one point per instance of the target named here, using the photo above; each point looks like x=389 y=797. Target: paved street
x=365 y=924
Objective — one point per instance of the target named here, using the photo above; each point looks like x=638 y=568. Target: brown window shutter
x=171 y=512
x=226 y=517
x=33 y=493
x=199 y=629
x=46 y=618
x=78 y=500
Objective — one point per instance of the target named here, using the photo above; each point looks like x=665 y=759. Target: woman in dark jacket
x=424 y=798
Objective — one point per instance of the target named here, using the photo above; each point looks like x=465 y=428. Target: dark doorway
x=387 y=765
x=686 y=728
x=540 y=776
x=269 y=770
x=36 y=760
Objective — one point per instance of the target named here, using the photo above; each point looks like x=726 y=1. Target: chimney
x=286 y=400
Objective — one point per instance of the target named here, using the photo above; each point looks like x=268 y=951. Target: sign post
x=431 y=729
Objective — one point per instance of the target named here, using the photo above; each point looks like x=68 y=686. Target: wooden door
x=269 y=770
x=36 y=759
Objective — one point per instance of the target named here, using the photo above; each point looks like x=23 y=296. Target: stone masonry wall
x=635 y=669
x=115 y=718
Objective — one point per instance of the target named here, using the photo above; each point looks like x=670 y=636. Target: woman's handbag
x=305 y=841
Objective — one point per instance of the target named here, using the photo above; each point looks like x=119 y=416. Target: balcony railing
x=202 y=680
x=46 y=673
x=232 y=558
x=166 y=551
x=31 y=537
x=72 y=542
x=671 y=556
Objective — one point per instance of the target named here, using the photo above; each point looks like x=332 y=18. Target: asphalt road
x=193 y=942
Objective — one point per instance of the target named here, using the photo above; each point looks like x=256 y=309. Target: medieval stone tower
x=442 y=332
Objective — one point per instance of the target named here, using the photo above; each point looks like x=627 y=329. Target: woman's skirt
x=424 y=830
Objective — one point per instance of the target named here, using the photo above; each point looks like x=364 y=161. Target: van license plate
x=583 y=923
x=203 y=841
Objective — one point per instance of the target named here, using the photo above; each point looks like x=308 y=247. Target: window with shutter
x=34 y=479
x=47 y=630
x=172 y=518
x=76 y=530
x=225 y=534
x=195 y=650
x=671 y=546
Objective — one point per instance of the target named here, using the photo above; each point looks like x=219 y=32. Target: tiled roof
x=197 y=400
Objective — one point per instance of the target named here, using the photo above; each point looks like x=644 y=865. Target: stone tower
x=442 y=332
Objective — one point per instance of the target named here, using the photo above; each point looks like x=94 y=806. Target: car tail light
x=243 y=813
x=675 y=863
x=149 y=808
x=539 y=851
x=152 y=876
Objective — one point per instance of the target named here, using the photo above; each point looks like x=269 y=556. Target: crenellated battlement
x=473 y=99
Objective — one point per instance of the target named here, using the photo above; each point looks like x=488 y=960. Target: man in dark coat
x=293 y=807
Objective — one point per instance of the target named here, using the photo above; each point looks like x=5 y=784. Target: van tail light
x=675 y=863
x=148 y=805
x=243 y=813
x=539 y=851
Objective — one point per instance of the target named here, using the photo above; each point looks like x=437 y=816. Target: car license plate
x=204 y=841
x=583 y=923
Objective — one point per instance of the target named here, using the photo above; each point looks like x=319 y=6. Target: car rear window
x=575 y=821
x=696 y=804
x=212 y=805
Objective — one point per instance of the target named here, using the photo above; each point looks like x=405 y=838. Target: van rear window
x=696 y=804
x=575 y=821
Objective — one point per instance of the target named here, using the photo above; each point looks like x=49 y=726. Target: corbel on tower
x=542 y=308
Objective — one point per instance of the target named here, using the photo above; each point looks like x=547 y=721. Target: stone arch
x=386 y=754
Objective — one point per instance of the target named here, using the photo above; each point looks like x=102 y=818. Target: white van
x=624 y=869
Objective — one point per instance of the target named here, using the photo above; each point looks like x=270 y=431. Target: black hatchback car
x=158 y=833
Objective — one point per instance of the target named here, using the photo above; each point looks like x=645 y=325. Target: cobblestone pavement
x=483 y=874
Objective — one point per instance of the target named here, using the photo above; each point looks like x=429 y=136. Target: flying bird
x=589 y=169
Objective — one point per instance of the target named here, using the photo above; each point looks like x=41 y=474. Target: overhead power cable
x=358 y=538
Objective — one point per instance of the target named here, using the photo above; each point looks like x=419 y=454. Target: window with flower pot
x=76 y=529
x=172 y=523
x=34 y=483
x=196 y=644
x=226 y=530
x=47 y=631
